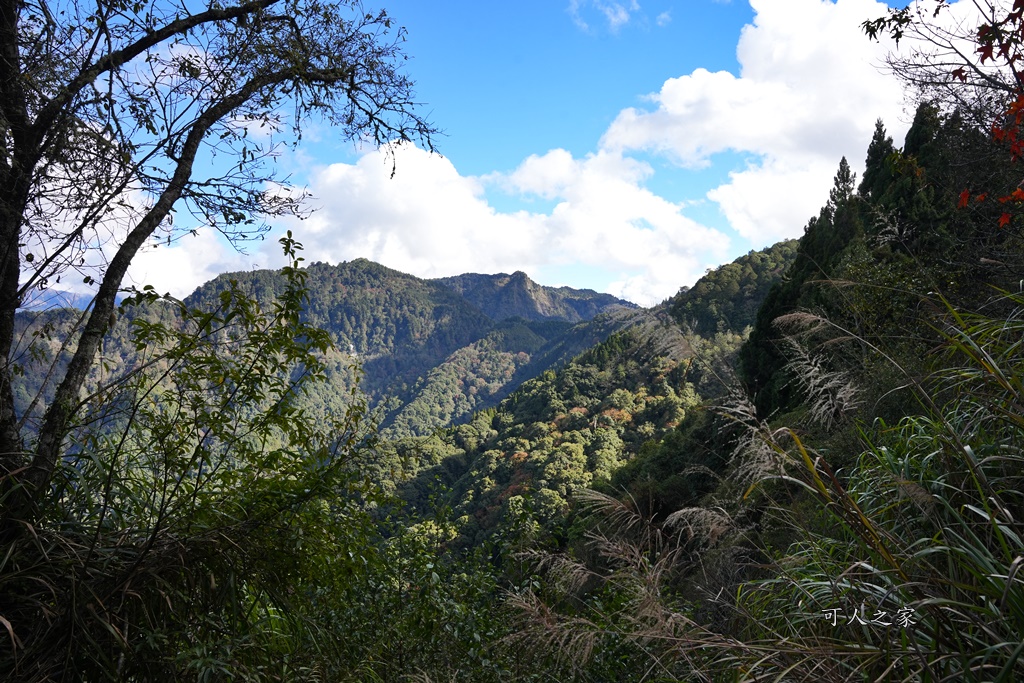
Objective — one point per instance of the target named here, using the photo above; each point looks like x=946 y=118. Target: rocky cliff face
x=505 y=296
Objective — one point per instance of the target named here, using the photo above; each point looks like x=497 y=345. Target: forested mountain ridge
x=428 y=355
x=729 y=297
x=518 y=465
x=432 y=351
x=558 y=432
x=850 y=509
x=374 y=309
x=369 y=309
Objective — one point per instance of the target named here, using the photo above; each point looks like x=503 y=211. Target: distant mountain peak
x=502 y=296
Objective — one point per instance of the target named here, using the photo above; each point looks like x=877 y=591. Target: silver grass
x=564 y=572
x=619 y=517
x=831 y=395
x=757 y=454
x=701 y=523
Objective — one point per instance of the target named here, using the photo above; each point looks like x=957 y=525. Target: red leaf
x=981 y=197
x=965 y=196
x=1004 y=219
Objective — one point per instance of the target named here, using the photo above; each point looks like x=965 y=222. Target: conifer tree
x=876 y=167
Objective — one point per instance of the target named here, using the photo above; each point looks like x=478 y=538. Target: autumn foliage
x=991 y=71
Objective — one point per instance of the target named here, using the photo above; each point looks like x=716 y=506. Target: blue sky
x=531 y=76
x=620 y=145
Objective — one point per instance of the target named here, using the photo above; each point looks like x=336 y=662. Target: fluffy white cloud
x=772 y=200
x=427 y=219
x=702 y=114
x=177 y=269
x=430 y=221
x=605 y=217
x=190 y=262
x=809 y=90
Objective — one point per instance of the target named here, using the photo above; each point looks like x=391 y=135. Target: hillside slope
x=579 y=424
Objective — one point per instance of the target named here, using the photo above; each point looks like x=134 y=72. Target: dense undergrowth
x=905 y=567
x=865 y=520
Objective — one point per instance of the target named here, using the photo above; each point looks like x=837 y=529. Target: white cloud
x=606 y=218
x=773 y=200
x=702 y=114
x=191 y=261
x=430 y=221
x=664 y=19
x=808 y=93
x=615 y=14
x=426 y=220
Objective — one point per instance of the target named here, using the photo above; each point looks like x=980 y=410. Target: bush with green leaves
x=172 y=541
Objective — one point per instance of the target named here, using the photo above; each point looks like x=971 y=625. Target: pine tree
x=877 y=173
x=927 y=124
x=843 y=185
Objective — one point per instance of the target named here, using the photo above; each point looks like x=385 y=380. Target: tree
x=843 y=184
x=173 y=535
x=117 y=118
x=877 y=174
x=763 y=359
x=963 y=56
x=964 y=60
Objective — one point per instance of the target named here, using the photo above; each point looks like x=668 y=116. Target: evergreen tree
x=763 y=358
x=843 y=184
x=926 y=125
x=877 y=173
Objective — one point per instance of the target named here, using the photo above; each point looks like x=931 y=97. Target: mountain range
x=430 y=352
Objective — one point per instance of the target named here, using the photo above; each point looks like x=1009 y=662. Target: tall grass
x=906 y=568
